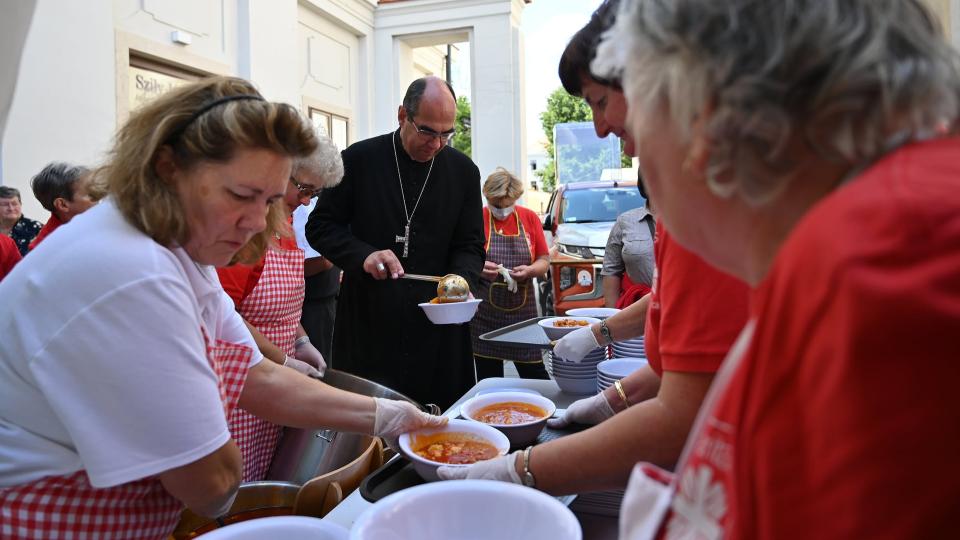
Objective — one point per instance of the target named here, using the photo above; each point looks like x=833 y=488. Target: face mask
x=501 y=213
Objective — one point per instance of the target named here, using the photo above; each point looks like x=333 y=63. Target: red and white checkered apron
x=501 y=307
x=273 y=307
x=68 y=507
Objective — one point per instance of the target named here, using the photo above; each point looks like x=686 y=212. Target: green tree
x=462 y=139
x=561 y=108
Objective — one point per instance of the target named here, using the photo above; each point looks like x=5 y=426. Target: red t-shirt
x=696 y=311
x=532 y=229
x=50 y=226
x=843 y=418
x=9 y=255
x=239 y=280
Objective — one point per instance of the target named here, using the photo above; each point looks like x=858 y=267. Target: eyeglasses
x=428 y=133
x=309 y=191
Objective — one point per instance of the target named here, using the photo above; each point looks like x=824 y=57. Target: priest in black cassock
x=407 y=203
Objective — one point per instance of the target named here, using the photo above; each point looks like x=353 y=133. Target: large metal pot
x=303 y=454
x=254 y=500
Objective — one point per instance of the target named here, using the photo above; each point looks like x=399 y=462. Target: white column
x=497 y=89
x=64 y=106
x=497 y=86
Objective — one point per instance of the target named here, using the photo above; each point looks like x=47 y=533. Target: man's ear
x=401 y=115
x=61 y=207
x=164 y=165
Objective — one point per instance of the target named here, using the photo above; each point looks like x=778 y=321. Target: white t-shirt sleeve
x=300 y=216
x=136 y=393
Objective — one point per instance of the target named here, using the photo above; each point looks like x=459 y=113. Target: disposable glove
x=575 y=345
x=225 y=508
x=395 y=417
x=306 y=352
x=501 y=468
x=591 y=410
x=511 y=283
x=302 y=367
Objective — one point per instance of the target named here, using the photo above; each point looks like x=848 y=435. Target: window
x=331 y=125
x=600 y=204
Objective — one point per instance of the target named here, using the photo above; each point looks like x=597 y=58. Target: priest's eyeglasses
x=304 y=189
x=428 y=133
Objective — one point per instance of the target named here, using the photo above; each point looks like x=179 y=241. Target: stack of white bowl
x=601 y=503
x=576 y=377
x=610 y=371
x=630 y=348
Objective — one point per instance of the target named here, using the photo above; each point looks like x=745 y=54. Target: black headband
x=209 y=105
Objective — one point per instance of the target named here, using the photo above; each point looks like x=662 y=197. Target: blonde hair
x=197 y=130
x=502 y=184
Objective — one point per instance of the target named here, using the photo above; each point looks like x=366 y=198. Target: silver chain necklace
x=403 y=197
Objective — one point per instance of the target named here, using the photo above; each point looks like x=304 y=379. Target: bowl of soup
x=467 y=510
x=557 y=327
x=520 y=416
x=458 y=444
x=441 y=312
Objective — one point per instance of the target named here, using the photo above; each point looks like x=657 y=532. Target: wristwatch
x=605 y=332
x=527 y=478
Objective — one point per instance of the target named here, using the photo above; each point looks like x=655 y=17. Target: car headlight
x=581 y=252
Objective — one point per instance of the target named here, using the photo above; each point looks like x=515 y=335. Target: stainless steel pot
x=303 y=454
x=254 y=500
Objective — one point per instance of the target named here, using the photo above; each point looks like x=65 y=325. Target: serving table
x=594 y=526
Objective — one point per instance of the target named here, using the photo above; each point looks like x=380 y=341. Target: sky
x=547 y=26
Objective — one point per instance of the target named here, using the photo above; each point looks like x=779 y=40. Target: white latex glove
x=591 y=410
x=225 y=509
x=575 y=345
x=511 y=283
x=502 y=468
x=302 y=367
x=306 y=352
x=395 y=417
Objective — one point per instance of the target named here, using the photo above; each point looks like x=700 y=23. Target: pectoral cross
x=405 y=239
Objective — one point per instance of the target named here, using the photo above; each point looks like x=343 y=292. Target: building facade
x=344 y=63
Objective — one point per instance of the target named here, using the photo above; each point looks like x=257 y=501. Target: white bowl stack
x=610 y=371
x=629 y=348
x=576 y=377
x=600 y=503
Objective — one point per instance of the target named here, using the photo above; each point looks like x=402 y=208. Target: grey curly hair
x=325 y=163
x=847 y=77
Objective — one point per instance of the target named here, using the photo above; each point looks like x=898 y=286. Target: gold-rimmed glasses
x=429 y=133
x=305 y=189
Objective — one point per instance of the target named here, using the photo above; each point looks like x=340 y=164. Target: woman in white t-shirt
x=121 y=354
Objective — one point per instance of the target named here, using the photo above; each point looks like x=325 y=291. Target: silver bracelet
x=301 y=341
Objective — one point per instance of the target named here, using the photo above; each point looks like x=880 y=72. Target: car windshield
x=599 y=204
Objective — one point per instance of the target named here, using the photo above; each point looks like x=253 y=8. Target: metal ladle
x=451 y=287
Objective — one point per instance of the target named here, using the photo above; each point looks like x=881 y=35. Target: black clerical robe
x=380 y=332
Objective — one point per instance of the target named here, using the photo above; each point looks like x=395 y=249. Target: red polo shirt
x=696 y=311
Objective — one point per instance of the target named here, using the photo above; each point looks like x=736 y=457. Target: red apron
x=273 y=307
x=501 y=307
x=67 y=506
